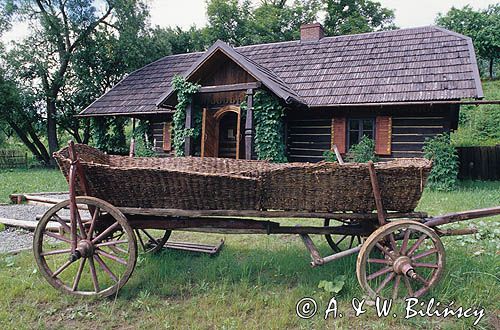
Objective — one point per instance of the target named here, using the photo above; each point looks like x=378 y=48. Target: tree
x=229 y=21
x=357 y=16
x=271 y=21
x=483 y=26
x=276 y=21
x=59 y=30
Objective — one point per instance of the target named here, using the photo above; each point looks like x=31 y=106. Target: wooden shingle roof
x=407 y=65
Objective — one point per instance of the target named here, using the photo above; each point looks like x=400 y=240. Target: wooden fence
x=10 y=158
x=479 y=163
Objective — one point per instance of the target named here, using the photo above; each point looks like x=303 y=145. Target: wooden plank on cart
x=266 y=214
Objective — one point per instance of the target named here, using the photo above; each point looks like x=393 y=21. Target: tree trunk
x=491 y=67
x=52 y=127
x=31 y=146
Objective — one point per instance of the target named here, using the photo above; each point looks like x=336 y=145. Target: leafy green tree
x=276 y=21
x=357 y=16
x=229 y=21
x=483 y=26
x=239 y=23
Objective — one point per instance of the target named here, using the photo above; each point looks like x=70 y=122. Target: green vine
x=143 y=140
x=268 y=118
x=185 y=91
x=443 y=176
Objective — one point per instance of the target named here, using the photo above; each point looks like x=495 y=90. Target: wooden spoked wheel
x=152 y=241
x=339 y=243
x=400 y=259
x=105 y=254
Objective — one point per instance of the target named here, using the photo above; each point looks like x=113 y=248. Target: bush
x=443 y=176
x=330 y=156
x=362 y=152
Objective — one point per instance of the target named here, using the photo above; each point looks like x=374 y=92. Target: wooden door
x=209 y=135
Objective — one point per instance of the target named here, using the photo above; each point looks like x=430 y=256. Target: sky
x=185 y=13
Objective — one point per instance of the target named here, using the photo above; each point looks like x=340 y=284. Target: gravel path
x=13 y=239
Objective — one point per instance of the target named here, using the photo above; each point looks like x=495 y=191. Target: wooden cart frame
x=392 y=256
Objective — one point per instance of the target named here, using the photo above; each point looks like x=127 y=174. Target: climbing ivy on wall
x=143 y=139
x=185 y=90
x=268 y=121
x=109 y=135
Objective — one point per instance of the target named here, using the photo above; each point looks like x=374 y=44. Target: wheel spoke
x=340 y=240
x=94 y=275
x=380 y=261
x=80 y=223
x=385 y=282
x=416 y=245
x=421 y=279
x=424 y=254
x=78 y=274
x=105 y=267
x=393 y=243
x=57 y=236
x=140 y=239
x=55 y=252
x=379 y=273
x=150 y=237
x=359 y=239
x=62 y=268
x=350 y=243
x=384 y=250
x=406 y=238
x=425 y=265
x=111 y=243
x=408 y=285
x=92 y=224
x=62 y=223
x=105 y=233
x=396 y=287
x=110 y=256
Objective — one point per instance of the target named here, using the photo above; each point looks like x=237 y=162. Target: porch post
x=249 y=126
x=188 y=141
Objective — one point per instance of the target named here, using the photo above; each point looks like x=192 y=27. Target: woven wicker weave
x=227 y=184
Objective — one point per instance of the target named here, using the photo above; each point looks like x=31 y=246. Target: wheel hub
x=85 y=248
x=402 y=265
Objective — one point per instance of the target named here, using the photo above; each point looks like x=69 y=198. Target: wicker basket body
x=193 y=183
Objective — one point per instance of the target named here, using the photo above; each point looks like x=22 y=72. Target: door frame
x=217 y=116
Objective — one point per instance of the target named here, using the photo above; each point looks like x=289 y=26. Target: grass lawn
x=256 y=280
x=32 y=180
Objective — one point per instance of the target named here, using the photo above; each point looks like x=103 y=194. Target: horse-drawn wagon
x=116 y=202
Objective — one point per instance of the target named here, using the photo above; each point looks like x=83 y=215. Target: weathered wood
x=313 y=251
x=479 y=162
x=188 y=141
x=338 y=155
x=30 y=225
x=230 y=87
x=249 y=126
x=461 y=216
x=383 y=135
x=265 y=214
x=376 y=194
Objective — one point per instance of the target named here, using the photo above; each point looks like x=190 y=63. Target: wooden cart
x=95 y=251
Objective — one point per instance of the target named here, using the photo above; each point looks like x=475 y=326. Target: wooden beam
x=249 y=126
x=188 y=140
x=265 y=214
x=30 y=225
x=229 y=88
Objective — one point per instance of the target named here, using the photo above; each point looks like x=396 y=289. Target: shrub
x=443 y=176
x=362 y=152
x=330 y=156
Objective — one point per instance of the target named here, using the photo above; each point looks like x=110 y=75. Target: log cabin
x=397 y=87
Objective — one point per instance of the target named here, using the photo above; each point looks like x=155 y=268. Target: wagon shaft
x=462 y=216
